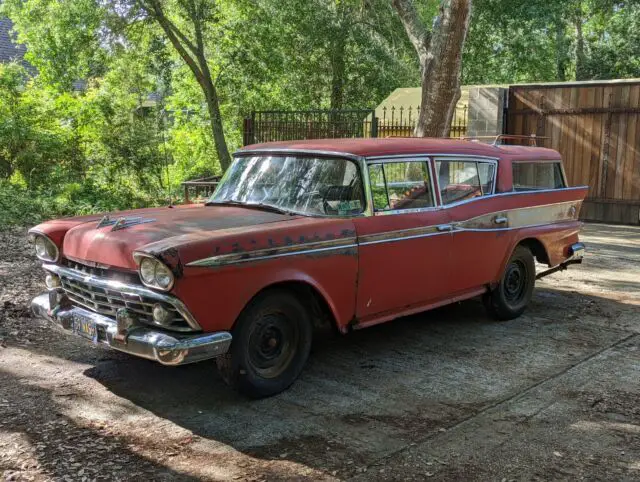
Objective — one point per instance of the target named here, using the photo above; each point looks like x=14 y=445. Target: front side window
x=304 y=185
x=531 y=176
x=400 y=185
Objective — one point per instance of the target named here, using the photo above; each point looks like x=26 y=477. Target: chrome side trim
x=400 y=235
x=512 y=193
x=125 y=288
x=272 y=253
x=168 y=349
x=484 y=223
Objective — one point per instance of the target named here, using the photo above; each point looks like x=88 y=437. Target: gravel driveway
x=441 y=396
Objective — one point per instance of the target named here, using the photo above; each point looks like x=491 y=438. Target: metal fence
x=402 y=121
x=269 y=126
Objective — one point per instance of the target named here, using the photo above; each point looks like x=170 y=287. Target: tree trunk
x=337 y=72
x=562 y=56
x=440 y=55
x=215 y=118
x=580 y=56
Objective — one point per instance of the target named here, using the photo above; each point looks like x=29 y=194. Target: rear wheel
x=271 y=343
x=512 y=295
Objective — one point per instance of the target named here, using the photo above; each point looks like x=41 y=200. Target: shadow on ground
x=369 y=394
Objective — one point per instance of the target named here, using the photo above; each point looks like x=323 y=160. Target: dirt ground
x=445 y=395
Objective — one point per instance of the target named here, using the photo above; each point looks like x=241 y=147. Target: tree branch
x=416 y=31
x=154 y=9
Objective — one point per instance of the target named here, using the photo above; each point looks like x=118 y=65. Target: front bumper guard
x=163 y=347
x=576 y=253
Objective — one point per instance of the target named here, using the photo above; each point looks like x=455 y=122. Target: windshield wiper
x=261 y=206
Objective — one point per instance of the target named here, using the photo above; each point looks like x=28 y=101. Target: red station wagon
x=303 y=232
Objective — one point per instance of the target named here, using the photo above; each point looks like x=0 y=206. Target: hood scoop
x=122 y=222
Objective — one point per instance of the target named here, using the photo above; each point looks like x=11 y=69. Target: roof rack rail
x=533 y=139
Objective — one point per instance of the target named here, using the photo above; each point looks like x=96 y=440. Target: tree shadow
x=63 y=449
x=361 y=396
x=368 y=394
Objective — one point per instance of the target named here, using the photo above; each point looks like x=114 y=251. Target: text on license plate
x=85 y=327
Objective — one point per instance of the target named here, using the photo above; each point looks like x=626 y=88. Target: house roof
x=410 y=146
x=9 y=50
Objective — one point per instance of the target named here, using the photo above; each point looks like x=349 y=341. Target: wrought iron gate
x=274 y=125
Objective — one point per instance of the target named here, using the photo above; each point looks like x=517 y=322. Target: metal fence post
x=374 y=126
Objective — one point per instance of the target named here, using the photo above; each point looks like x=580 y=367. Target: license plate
x=85 y=327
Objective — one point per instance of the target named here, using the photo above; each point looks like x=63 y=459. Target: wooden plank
x=631 y=147
x=582 y=144
x=555 y=98
x=572 y=136
x=598 y=140
x=635 y=190
x=564 y=100
x=622 y=143
x=611 y=98
x=591 y=151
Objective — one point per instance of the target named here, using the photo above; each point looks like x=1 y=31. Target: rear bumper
x=163 y=347
x=576 y=253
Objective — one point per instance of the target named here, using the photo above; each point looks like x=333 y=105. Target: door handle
x=444 y=227
x=501 y=220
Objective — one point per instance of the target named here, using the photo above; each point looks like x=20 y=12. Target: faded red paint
x=362 y=285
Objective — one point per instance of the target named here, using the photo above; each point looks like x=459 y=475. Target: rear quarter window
x=531 y=176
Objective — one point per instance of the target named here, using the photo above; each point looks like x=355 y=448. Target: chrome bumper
x=576 y=253
x=166 y=348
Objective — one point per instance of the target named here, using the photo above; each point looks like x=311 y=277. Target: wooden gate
x=596 y=128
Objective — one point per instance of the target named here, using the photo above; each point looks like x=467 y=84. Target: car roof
x=374 y=147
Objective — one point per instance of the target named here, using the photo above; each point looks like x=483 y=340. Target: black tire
x=271 y=344
x=512 y=295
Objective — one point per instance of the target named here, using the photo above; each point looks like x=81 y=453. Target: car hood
x=104 y=242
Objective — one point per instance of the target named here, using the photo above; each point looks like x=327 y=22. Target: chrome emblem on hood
x=122 y=223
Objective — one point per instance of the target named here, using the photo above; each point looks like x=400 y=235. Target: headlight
x=46 y=250
x=155 y=274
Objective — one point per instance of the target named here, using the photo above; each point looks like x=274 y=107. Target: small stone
x=557 y=454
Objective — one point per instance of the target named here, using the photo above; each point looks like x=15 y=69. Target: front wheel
x=512 y=295
x=271 y=343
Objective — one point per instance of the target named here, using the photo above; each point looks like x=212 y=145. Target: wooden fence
x=596 y=128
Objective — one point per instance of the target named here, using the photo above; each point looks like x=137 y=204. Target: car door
x=404 y=247
x=466 y=187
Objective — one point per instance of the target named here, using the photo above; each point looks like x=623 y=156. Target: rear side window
x=400 y=185
x=531 y=176
x=461 y=180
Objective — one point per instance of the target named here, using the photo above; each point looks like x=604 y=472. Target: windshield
x=304 y=185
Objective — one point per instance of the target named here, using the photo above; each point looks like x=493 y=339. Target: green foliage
x=137 y=124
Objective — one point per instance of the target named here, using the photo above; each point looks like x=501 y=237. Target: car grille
x=108 y=301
